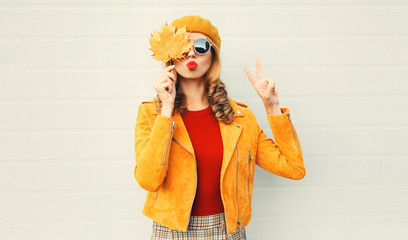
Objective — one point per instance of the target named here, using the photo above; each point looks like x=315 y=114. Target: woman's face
x=203 y=62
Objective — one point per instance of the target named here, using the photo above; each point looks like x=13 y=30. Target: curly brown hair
x=214 y=87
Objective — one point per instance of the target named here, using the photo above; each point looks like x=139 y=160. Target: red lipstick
x=191 y=65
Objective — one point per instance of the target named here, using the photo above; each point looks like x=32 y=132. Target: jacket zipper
x=195 y=192
x=293 y=132
x=239 y=223
x=167 y=148
x=168 y=143
x=249 y=174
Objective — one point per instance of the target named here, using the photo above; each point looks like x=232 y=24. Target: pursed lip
x=192 y=65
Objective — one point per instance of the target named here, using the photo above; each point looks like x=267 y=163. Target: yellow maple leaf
x=169 y=44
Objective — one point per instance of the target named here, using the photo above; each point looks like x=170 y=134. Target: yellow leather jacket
x=166 y=165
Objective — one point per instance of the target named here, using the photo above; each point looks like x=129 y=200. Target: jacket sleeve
x=283 y=158
x=152 y=146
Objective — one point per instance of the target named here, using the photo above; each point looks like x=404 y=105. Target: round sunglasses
x=201 y=46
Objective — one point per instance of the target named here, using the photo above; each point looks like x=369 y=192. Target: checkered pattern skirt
x=211 y=227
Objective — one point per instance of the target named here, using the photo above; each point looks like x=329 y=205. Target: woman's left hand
x=265 y=87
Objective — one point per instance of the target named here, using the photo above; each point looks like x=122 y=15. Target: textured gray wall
x=73 y=72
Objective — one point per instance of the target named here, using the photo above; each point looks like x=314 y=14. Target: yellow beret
x=195 y=23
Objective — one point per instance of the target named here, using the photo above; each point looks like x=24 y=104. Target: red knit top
x=205 y=135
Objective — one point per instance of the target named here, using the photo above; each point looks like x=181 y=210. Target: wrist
x=273 y=109
x=168 y=106
x=167 y=110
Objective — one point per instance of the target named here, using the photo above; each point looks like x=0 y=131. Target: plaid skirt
x=212 y=227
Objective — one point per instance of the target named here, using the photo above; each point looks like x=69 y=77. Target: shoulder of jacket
x=148 y=106
x=149 y=101
x=242 y=105
x=239 y=103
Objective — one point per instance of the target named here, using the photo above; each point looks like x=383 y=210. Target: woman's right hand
x=165 y=86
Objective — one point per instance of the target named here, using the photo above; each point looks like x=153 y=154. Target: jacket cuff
x=160 y=119
x=280 y=117
x=280 y=125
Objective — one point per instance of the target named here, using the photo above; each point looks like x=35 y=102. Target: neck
x=195 y=95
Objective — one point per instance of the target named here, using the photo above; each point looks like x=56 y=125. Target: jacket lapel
x=230 y=134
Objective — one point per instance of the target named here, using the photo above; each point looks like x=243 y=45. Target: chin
x=192 y=75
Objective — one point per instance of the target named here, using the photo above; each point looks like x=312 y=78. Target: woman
x=196 y=149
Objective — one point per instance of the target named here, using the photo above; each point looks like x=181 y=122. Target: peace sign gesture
x=265 y=87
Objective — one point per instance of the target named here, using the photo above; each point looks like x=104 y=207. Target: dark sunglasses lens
x=202 y=46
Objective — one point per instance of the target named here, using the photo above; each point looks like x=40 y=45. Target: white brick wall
x=72 y=73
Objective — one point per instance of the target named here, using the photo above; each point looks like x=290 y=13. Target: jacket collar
x=229 y=133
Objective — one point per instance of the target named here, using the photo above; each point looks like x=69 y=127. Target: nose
x=191 y=52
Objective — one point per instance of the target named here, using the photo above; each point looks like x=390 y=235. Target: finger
x=163 y=80
x=251 y=78
x=271 y=84
x=164 y=86
x=169 y=68
x=258 y=69
x=166 y=70
x=276 y=88
x=171 y=76
x=168 y=77
x=174 y=72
